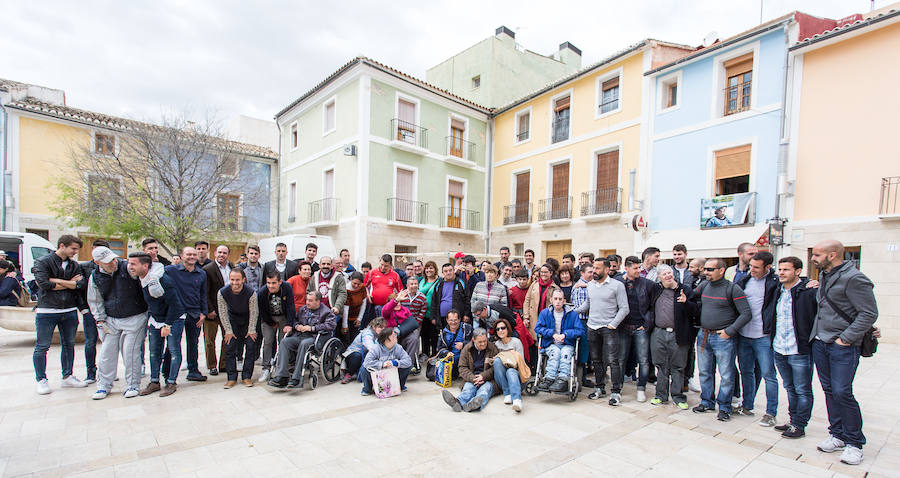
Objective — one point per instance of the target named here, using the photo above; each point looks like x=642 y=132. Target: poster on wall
x=725 y=211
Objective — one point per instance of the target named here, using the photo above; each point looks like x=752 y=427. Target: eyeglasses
x=503 y=327
x=709 y=269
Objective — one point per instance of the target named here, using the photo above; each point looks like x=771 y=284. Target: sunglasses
x=502 y=327
x=709 y=269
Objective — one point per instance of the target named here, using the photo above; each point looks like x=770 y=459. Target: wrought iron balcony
x=601 y=201
x=519 y=213
x=555 y=208
x=460 y=148
x=324 y=210
x=409 y=133
x=454 y=217
x=404 y=210
x=888 y=203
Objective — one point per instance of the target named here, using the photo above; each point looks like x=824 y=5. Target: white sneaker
x=641 y=396
x=99 y=395
x=852 y=455
x=131 y=393
x=517 y=405
x=735 y=402
x=43 y=388
x=72 y=382
x=693 y=385
x=507 y=400
x=265 y=376
x=89 y=380
x=831 y=444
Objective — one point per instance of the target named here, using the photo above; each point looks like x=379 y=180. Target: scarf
x=324 y=287
x=543 y=288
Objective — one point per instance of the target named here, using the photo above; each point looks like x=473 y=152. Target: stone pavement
x=204 y=430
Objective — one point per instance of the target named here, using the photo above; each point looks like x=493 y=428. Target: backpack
x=22 y=297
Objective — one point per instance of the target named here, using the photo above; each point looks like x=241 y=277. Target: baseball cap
x=459 y=255
x=103 y=254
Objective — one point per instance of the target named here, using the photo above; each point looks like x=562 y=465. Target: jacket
x=287 y=304
x=120 y=293
x=393 y=318
x=638 y=301
x=459 y=302
x=290 y=269
x=448 y=339
x=338 y=285
x=364 y=341
x=321 y=319
x=571 y=326
x=166 y=307
x=768 y=311
x=531 y=307
x=214 y=282
x=852 y=292
x=686 y=279
x=497 y=295
x=803 y=311
x=687 y=314
x=378 y=355
x=467 y=362
x=50 y=267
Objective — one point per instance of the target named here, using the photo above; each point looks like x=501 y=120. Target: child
x=517 y=293
x=386 y=355
x=558 y=330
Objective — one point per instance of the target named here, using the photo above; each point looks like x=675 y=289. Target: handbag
x=386 y=382
x=443 y=374
x=508 y=358
x=408 y=326
x=869 y=344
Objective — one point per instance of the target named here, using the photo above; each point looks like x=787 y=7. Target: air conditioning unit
x=350 y=150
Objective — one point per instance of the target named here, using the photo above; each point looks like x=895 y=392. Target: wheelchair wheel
x=573 y=395
x=531 y=388
x=313 y=381
x=331 y=361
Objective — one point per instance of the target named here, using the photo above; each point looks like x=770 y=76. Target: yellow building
x=844 y=160
x=567 y=159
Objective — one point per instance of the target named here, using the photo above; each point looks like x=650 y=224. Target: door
x=457 y=129
x=328 y=206
x=406 y=126
x=522 y=211
x=455 y=198
x=606 y=197
x=557 y=249
x=559 y=202
x=404 y=209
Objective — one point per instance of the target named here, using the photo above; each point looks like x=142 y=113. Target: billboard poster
x=725 y=211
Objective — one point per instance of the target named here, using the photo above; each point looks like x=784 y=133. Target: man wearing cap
x=118 y=307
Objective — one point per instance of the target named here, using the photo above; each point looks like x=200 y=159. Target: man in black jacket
x=634 y=330
x=285 y=267
x=216 y=277
x=672 y=316
x=443 y=300
x=60 y=280
x=276 y=309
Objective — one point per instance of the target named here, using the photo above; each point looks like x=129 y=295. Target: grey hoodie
x=376 y=357
x=852 y=292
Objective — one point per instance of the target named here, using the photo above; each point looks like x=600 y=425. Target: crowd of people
x=577 y=321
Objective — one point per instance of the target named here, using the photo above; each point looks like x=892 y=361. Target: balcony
x=560 y=129
x=456 y=218
x=552 y=209
x=888 y=204
x=404 y=211
x=460 y=151
x=324 y=211
x=601 y=201
x=409 y=137
x=727 y=211
x=519 y=213
x=231 y=224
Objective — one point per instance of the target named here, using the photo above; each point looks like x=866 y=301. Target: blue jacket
x=192 y=286
x=546 y=327
x=168 y=308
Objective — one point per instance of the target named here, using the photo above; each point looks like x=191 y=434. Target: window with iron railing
x=888 y=203
x=518 y=213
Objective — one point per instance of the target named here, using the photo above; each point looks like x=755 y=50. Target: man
x=672 y=315
x=650 y=258
x=558 y=330
x=529 y=262
x=191 y=282
x=89 y=325
x=615 y=261
x=166 y=320
x=584 y=259
x=504 y=258
x=242 y=260
x=151 y=246
x=276 y=309
x=506 y=277
x=176 y=259
x=330 y=285
x=486 y=316
x=285 y=267
x=300 y=335
x=477 y=374
x=118 y=306
x=383 y=282
x=408 y=271
x=789 y=324
x=449 y=294
x=419 y=270
x=345 y=258
x=719 y=219
x=60 y=280
x=568 y=260
x=723 y=312
x=516 y=266
x=238 y=312
x=745 y=252
x=634 y=332
x=696 y=270
x=310 y=255
x=216 y=278
x=681 y=268
x=253 y=269
x=469 y=276
x=606 y=306
x=697 y=278
x=202 y=248
x=754 y=343
x=578 y=297
x=846 y=311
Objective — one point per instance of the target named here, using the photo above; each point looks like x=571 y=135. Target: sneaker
x=266 y=373
x=852 y=455
x=702 y=409
x=655 y=401
x=782 y=428
x=694 y=385
x=735 y=402
x=723 y=416
x=831 y=444
x=793 y=432
x=346 y=378
x=294 y=384
x=517 y=405
x=641 y=396
x=364 y=393
x=598 y=393
x=90 y=380
x=72 y=382
x=247 y=382
x=99 y=395
x=682 y=405
x=561 y=384
x=213 y=371
x=743 y=412
x=169 y=389
x=43 y=388
x=150 y=388
x=615 y=399
x=404 y=388
x=473 y=405
x=131 y=393
x=452 y=401
x=507 y=399
x=767 y=421
x=230 y=383
x=277 y=382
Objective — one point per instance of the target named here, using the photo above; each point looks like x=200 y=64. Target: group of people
x=492 y=320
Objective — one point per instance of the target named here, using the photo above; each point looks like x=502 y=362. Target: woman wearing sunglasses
x=509 y=380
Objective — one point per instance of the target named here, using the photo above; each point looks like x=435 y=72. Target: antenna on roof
x=710 y=38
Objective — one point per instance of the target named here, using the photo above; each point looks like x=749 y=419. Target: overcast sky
x=136 y=59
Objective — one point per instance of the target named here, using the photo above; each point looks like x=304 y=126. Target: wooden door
x=404 y=209
x=557 y=249
x=457 y=130
x=455 y=198
x=523 y=196
x=406 y=127
x=606 y=196
x=559 y=204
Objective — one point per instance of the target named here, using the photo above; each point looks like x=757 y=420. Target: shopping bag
x=443 y=373
x=386 y=382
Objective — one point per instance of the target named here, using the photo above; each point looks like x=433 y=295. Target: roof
x=7 y=84
x=846 y=28
x=389 y=70
x=121 y=124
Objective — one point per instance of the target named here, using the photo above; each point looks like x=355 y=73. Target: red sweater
x=517 y=298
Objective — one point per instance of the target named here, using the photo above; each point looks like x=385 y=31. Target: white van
x=296 y=246
x=23 y=248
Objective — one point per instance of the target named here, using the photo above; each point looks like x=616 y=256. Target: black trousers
x=604 y=344
x=235 y=347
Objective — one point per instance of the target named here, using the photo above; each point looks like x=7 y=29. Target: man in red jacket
x=383 y=282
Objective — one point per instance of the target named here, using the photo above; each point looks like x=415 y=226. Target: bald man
x=217 y=273
x=847 y=310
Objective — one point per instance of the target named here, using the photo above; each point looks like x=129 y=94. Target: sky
x=139 y=59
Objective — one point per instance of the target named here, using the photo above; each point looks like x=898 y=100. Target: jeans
x=559 y=360
x=753 y=352
x=796 y=376
x=470 y=391
x=836 y=366
x=172 y=344
x=354 y=362
x=192 y=339
x=669 y=358
x=508 y=379
x=630 y=336
x=67 y=322
x=604 y=344
x=717 y=351
x=367 y=378
x=90 y=344
x=232 y=351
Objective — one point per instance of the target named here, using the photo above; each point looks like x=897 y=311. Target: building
x=844 y=165
x=41 y=133
x=497 y=70
x=384 y=163
x=567 y=156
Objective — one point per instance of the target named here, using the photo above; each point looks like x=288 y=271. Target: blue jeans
x=90 y=344
x=172 y=345
x=717 y=351
x=192 y=337
x=67 y=322
x=559 y=360
x=508 y=378
x=470 y=391
x=836 y=366
x=630 y=336
x=796 y=376
x=753 y=352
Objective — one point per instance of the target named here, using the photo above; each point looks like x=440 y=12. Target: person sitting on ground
x=386 y=354
x=558 y=330
x=510 y=382
x=356 y=352
x=454 y=337
x=476 y=370
x=10 y=289
x=396 y=316
x=300 y=335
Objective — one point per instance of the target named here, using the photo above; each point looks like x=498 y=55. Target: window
x=476 y=81
x=732 y=171
x=39 y=232
x=329 y=211
x=230 y=166
x=455 y=194
x=606 y=187
x=523 y=125
x=519 y=249
x=557 y=205
x=328 y=118
x=851 y=254
x=103 y=193
x=404 y=193
x=671 y=95
x=292 y=203
x=104 y=144
x=295 y=136
x=457 y=132
x=668 y=91
x=739 y=75
x=406 y=126
x=227 y=207
x=561 y=117
x=609 y=95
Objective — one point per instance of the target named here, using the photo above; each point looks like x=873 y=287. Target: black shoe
x=560 y=385
x=782 y=428
x=723 y=416
x=793 y=432
x=544 y=384
x=277 y=382
x=449 y=399
x=196 y=378
x=587 y=383
x=701 y=409
x=213 y=371
x=294 y=384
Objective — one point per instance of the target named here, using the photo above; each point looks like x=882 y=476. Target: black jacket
x=287 y=304
x=686 y=314
x=638 y=302
x=50 y=267
x=214 y=282
x=804 y=308
x=460 y=302
x=122 y=295
x=768 y=310
x=290 y=269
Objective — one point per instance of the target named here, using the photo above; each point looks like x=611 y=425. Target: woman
x=490 y=290
x=509 y=381
x=238 y=312
x=396 y=313
x=356 y=352
x=300 y=282
x=566 y=282
x=429 y=332
x=454 y=337
x=10 y=288
x=386 y=354
x=354 y=307
x=536 y=300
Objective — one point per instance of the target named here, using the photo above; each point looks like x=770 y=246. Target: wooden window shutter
x=741 y=64
x=404 y=184
x=611 y=83
x=733 y=162
x=457 y=124
x=561 y=180
x=523 y=181
x=407 y=111
x=455 y=189
x=562 y=104
x=608 y=170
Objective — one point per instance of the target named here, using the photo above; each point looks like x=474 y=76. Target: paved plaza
x=204 y=430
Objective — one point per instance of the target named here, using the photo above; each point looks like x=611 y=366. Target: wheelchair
x=325 y=358
x=531 y=387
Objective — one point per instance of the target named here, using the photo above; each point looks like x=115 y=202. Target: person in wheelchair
x=386 y=354
x=311 y=320
x=558 y=330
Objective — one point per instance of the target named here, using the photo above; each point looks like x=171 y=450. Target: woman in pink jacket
x=395 y=314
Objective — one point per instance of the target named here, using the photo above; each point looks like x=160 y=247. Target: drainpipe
x=489 y=153
x=3 y=169
x=784 y=138
x=278 y=183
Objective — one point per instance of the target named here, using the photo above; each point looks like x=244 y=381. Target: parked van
x=23 y=248
x=296 y=246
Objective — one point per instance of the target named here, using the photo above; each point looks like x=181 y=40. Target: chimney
x=570 y=55
x=505 y=34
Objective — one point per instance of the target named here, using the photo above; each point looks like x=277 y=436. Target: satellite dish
x=710 y=38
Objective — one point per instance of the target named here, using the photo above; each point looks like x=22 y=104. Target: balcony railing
x=324 y=210
x=889 y=188
x=730 y=210
x=560 y=129
x=231 y=224
x=555 y=208
x=737 y=98
x=454 y=217
x=519 y=213
x=460 y=148
x=404 y=210
x=601 y=201
x=409 y=133
x=523 y=135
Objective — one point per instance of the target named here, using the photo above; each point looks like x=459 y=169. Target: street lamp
x=776 y=231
